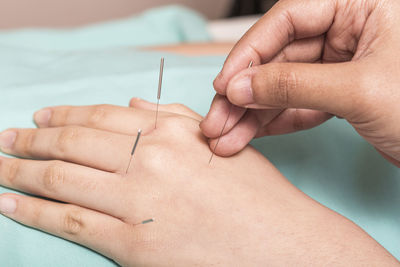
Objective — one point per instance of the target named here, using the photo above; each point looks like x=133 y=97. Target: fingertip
x=224 y=148
x=7 y=140
x=212 y=125
x=206 y=129
x=220 y=84
x=8 y=203
x=42 y=117
x=212 y=120
x=239 y=136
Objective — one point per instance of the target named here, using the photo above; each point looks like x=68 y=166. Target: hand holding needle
x=223 y=128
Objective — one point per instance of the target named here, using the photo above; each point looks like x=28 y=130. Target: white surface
x=230 y=30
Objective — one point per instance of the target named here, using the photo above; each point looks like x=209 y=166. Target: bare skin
x=238 y=211
x=313 y=59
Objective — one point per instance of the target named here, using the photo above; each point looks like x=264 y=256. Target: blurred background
x=61 y=13
x=227 y=19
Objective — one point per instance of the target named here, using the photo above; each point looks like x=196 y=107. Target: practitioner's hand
x=238 y=211
x=291 y=90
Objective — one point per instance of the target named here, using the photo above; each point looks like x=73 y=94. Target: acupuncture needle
x=160 y=78
x=223 y=128
x=134 y=148
x=146 y=221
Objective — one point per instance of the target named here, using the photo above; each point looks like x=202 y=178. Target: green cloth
x=160 y=26
x=331 y=163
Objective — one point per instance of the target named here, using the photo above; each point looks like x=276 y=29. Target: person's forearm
x=300 y=231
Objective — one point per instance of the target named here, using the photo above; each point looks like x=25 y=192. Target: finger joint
x=54 y=177
x=28 y=141
x=285 y=83
x=13 y=171
x=97 y=115
x=72 y=222
x=65 y=139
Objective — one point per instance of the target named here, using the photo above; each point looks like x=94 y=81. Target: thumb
x=326 y=87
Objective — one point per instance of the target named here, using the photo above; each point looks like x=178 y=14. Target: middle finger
x=103 y=117
x=89 y=147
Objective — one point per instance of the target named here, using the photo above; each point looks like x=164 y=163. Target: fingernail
x=7 y=205
x=240 y=91
x=7 y=139
x=42 y=117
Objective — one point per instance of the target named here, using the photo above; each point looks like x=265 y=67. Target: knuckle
x=28 y=140
x=12 y=171
x=97 y=114
x=285 y=81
x=178 y=123
x=36 y=215
x=178 y=106
x=72 y=222
x=274 y=88
x=66 y=138
x=54 y=176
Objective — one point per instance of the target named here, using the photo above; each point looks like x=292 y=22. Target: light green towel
x=330 y=163
x=168 y=25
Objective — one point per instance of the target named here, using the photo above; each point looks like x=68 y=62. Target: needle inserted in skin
x=159 y=88
x=147 y=221
x=222 y=131
x=134 y=148
x=223 y=128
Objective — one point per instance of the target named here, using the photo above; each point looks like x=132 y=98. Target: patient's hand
x=238 y=211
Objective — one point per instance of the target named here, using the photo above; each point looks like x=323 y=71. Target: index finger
x=285 y=22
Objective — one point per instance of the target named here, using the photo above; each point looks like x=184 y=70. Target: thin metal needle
x=159 y=88
x=134 y=148
x=222 y=131
x=146 y=221
x=223 y=128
